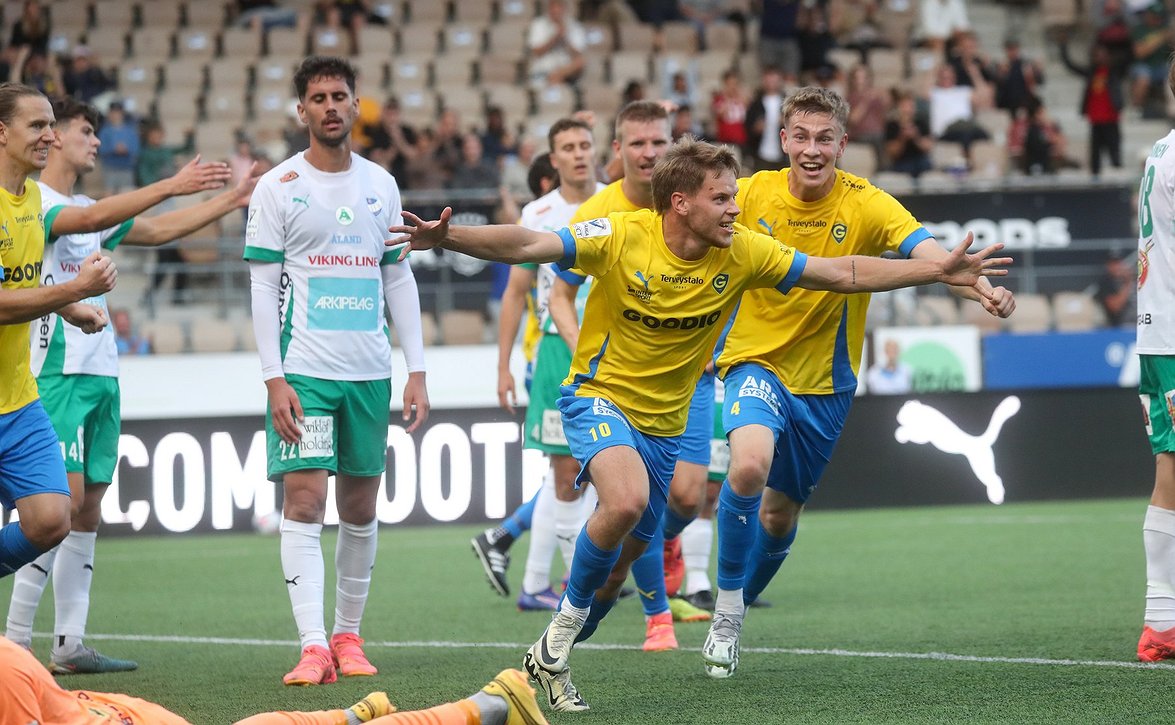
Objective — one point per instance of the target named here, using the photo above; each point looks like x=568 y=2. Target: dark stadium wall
x=208 y=474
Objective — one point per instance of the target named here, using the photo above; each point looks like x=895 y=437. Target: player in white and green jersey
x=1156 y=387
x=320 y=278
x=77 y=373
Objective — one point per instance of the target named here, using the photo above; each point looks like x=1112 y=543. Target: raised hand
x=963 y=269
x=419 y=234
x=88 y=318
x=197 y=176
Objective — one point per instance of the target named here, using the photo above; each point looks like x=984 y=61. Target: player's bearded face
x=712 y=210
x=813 y=142
x=329 y=110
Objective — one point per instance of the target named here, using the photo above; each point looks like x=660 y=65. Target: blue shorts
x=806 y=427
x=699 y=428
x=593 y=424
x=30 y=456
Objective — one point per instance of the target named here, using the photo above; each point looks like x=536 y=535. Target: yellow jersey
x=651 y=318
x=812 y=340
x=533 y=331
x=22 y=247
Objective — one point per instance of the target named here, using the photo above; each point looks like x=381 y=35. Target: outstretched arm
x=154 y=230
x=114 y=210
x=998 y=301
x=873 y=274
x=507 y=243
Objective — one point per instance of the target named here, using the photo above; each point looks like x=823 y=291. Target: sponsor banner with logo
x=1060 y=360
x=1043 y=228
x=973 y=447
x=940 y=358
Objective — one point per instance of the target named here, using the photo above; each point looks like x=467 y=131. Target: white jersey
x=59 y=348
x=327 y=230
x=1156 y=251
x=550 y=213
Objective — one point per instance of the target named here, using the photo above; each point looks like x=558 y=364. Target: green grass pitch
x=1023 y=613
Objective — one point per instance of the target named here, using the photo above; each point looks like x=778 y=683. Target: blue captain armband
x=568 y=259
x=793 y=274
x=915 y=238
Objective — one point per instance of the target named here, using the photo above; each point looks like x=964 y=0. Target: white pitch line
x=437 y=644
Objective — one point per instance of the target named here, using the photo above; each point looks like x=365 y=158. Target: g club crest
x=839 y=230
x=720 y=282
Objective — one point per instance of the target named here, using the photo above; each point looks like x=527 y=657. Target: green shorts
x=1156 y=389
x=345 y=428
x=87 y=416
x=544 y=422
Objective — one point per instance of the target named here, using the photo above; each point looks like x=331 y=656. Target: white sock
x=730 y=602
x=71 y=589
x=28 y=584
x=697 y=539
x=1158 y=537
x=354 y=560
x=580 y=614
x=301 y=548
x=570 y=516
x=542 y=539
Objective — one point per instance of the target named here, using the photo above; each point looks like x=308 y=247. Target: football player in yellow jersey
x=642 y=138
x=32 y=468
x=790 y=370
x=666 y=281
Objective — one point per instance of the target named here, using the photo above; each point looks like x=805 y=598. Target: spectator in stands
x=1115 y=292
x=516 y=170
x=119 y=151
x=940 y=20
x=907 y=138
x=1036 y=144
x=83 y=78
x=656 y=13
x=683 y=89
x=497 y=140
x=685 y=122
x=448 y=142
x=1101 y=103
x=1113 y=31
x=764 y=121
x=348 y=15
x=1152 y=38
x=972 y=69
x=392 y=142
x=729 y=109
x=261 y=15
x=126 y=339
x=423 y=171
x=1017 y=79
x=39 y=71
x=555 y=42
x=475 y=170
x=889 y=376
x=32 y=29
x=702 y=14
x=815 y=38
x=868 y=109
x=157 y=160
x=634 y=90
x=779 y=44
x=952 y=110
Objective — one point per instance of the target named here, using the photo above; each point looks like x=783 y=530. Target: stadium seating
x=213 y=335
x=1075 y=311
x=936 y=310
x=1034 y=313
x=167 y=337
x=463 y=327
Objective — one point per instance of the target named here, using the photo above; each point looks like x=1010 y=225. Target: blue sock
x=15 y=549
x=648 y=572
x=737 y=519
x=519 y=521
x=765 y=559
x=673 y=524
x=596 y=614
x=589 y=570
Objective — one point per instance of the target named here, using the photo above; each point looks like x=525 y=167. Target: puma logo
x=294 y=582
x=742 y=519
x=769 y=227
x=644 y=280
x=919 y=423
